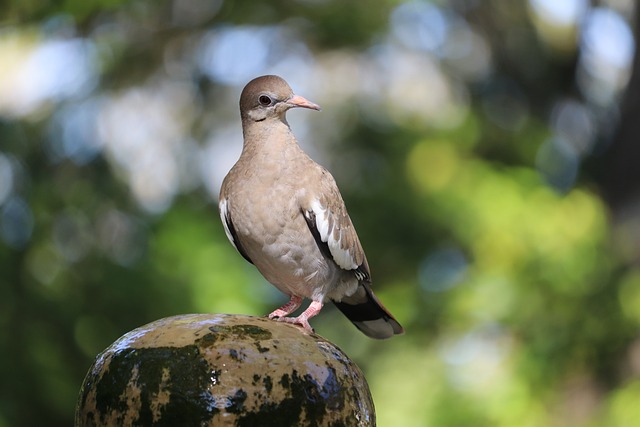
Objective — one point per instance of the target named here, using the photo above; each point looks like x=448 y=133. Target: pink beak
x=298 y=101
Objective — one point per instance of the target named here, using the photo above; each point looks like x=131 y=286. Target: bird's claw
x=277 y=314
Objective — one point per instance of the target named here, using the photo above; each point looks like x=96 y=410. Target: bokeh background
x=488 y=152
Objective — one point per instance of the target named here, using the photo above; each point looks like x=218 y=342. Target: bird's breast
x=266 y=213
x=273 y=231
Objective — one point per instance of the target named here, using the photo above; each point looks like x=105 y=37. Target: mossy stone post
x=223 y=370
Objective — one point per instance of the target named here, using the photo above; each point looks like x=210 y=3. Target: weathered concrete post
x=223 y=370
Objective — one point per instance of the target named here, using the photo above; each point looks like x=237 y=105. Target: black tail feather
x=368 y=314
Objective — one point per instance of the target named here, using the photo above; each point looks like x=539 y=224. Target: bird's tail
x=368 y=314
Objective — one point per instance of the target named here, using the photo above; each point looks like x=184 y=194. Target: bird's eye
x=264 y=100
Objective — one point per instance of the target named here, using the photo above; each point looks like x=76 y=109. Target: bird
x=284 y=213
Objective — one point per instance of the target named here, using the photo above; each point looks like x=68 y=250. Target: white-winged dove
x=284 y=213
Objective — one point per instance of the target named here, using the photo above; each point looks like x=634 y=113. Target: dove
x=284 y=213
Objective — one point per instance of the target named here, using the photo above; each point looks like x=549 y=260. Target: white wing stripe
x=224 y=213
x=341 y=256
x=321 y=221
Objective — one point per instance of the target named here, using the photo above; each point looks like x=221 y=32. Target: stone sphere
x=223 y=370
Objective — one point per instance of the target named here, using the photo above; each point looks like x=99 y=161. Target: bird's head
x=269 y=97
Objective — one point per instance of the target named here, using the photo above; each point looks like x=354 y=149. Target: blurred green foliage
x=457 y=131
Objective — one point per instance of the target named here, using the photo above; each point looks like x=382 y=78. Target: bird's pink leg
x=288 y=308
x=303 y=319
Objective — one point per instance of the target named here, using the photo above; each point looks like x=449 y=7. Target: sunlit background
x=486 y=150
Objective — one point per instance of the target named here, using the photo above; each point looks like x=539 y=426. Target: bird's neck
x=267 y=136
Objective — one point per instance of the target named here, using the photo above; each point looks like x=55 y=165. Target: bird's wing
x=329 y=222
x=229 y=229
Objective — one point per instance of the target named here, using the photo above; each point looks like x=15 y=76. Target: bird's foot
x=287 y=309
x=300 y=321
x=277 y=314
x=303 y=319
